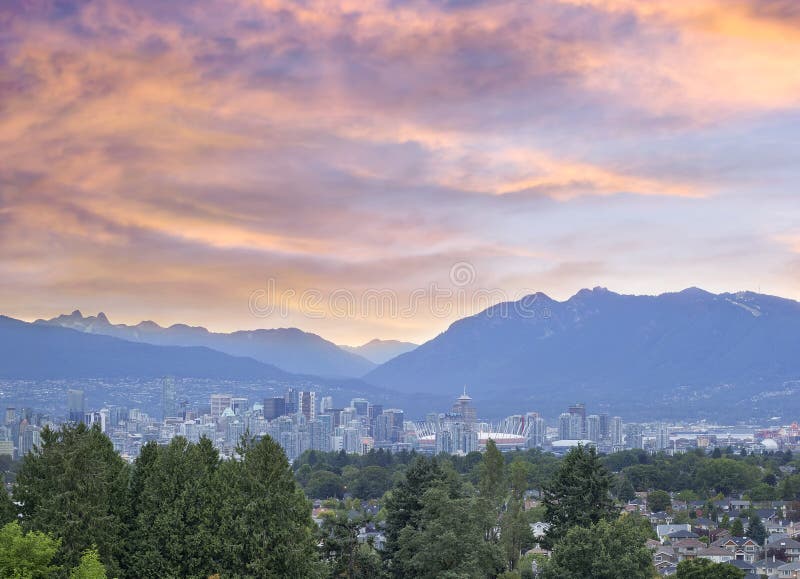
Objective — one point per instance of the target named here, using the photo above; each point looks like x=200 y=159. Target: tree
x=737 y=529
x=26 y=555
x=448 y=540
x=175 y=532
x=75 y=488
x=264 y=518
x=705 y=569
x=756 y=530
x=8 y=511
x=578 y=494
x=659 y=501
x=491 y=484
x=624 y=490
x=323 y=484
x=604 y=550
x=371 y=482
x=520 y=472
x=90 y=566
x=404 y=505
x=515 y=533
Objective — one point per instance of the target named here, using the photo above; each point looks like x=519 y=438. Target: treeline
x=178 y=511
x=700 y=475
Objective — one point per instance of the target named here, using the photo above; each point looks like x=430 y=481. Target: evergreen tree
x=175 y=531
x=756 y=530
x=659 y=501
x=8 y=510
x=264 y=517
x=404 y=504
x=737 y=529
x=75 y=489
x=624 y=490
x=492 y=481
x=578 y=494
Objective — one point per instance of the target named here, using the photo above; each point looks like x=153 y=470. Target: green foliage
x=737 y=528
x=659 y=501
x=340 y=546
x=8 y=511
x=75 y=489
x=264 y=518
x=90 y=567
x=605 y=550
x=26 y=555
x=175 y=528
x=624 y=490
x=448 y=540
x=705 y=569
x=492 y=477
x=323 y=484
x=756 y=530
x=515 y=533
x=578 y=494
x=371 y=482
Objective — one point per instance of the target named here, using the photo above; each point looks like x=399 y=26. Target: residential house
x=687 y=548
x=743 y=548
x=768 y=566
x=785 y=548
x=662 y=531
x=539 y=529
x=789 y=571
x=748 y=568
x=715 y=554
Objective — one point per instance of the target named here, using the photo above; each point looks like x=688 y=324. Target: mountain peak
x=76 y=314
x=101 y=317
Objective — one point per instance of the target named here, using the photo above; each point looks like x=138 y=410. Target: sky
x=366 y=169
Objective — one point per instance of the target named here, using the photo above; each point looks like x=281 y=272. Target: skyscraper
x=616 y=431
x=274 y=407
x=593 y=427
x=308 y=405
x=169 y=403
x=219 y=402
x=77 y=406
x=579 y=410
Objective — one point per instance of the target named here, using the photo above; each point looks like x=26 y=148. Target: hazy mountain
x=287 y=348
x=39 y=351
x=380 y=351
x=681 y=354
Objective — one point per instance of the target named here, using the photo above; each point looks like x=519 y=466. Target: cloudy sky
x=267 y=163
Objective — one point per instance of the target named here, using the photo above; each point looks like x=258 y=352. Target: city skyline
x=164 y=164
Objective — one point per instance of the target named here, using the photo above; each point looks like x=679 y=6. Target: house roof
x=714 y=552
x=784 y=543
x=682 y=534
x=790 y=566
x=688 y=544
x=741 y=564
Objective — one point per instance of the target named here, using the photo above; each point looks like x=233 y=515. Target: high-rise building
x=604 y=426
x=292 y=398
x=616 y=431
x=361 y=405
x=593 y=427
x=169 y=399
x=11 y=415
x=325 y=404
x=579 y=410
x=634 y=436
x=662 y=437
x=77 y=406
x=308 y=405
x=274 y=407
x=219 y=402
x=564 y=426
x=239 y=405
x=464 y=409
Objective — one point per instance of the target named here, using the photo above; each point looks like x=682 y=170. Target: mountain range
x=685 y=354
x=691 y=353
x=41 y=352
x=290 y=349
x=381 y=351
